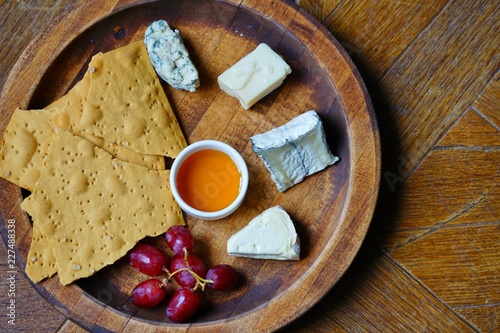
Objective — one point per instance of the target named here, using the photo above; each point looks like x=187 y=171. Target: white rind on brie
x=254 y=76
x=170 y=57
x=270 y=235
x=295 y=150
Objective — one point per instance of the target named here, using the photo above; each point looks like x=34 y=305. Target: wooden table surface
x=431 y=259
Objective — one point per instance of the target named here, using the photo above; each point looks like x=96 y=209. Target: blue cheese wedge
x=295 y=150
x=254 y=76
x=170 y=57
x=270 y=235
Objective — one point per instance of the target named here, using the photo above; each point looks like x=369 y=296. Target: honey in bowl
x=208 y=180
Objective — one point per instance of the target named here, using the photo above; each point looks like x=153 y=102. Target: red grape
x=178 y=238
x=185 y=278
x=148 y=259
x=149 y=293
x=183 y=305
x=224 y=277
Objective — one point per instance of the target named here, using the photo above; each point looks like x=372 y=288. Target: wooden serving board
x=331 y=210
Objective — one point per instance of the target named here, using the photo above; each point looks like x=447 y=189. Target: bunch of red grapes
x=185 y=267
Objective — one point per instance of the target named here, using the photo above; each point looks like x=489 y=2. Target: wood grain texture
x=320 y=9
x=374 y=279
x=430 y=261
x=488 y=103
x=41 y=13
x=376 y=33
x=456 y=231
x=440 y=89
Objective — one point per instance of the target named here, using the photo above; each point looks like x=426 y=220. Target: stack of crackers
x=94 y=161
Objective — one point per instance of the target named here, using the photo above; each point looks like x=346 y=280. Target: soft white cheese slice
x=254 y=76
x=295 y=150
x=170 y=57
x=270 y=235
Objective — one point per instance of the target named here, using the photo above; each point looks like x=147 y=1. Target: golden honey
x=208 y=180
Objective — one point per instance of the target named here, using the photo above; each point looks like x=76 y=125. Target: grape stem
x=200 y=282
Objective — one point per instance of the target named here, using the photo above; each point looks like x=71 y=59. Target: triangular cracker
x=94 y=208
x=126 y=103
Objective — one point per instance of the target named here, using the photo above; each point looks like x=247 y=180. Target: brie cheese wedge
x=270 y=235
x=295 y=150
x=170 y=57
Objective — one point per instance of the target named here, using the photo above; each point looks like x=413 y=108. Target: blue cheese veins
x=295 y=150
x=170 y=57
x=270 y=235
x=254 y=76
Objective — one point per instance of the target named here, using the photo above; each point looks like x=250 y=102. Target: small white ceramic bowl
x=209 y=145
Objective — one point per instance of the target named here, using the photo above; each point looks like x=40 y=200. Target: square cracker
x=126 y=103
x=94 y=208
